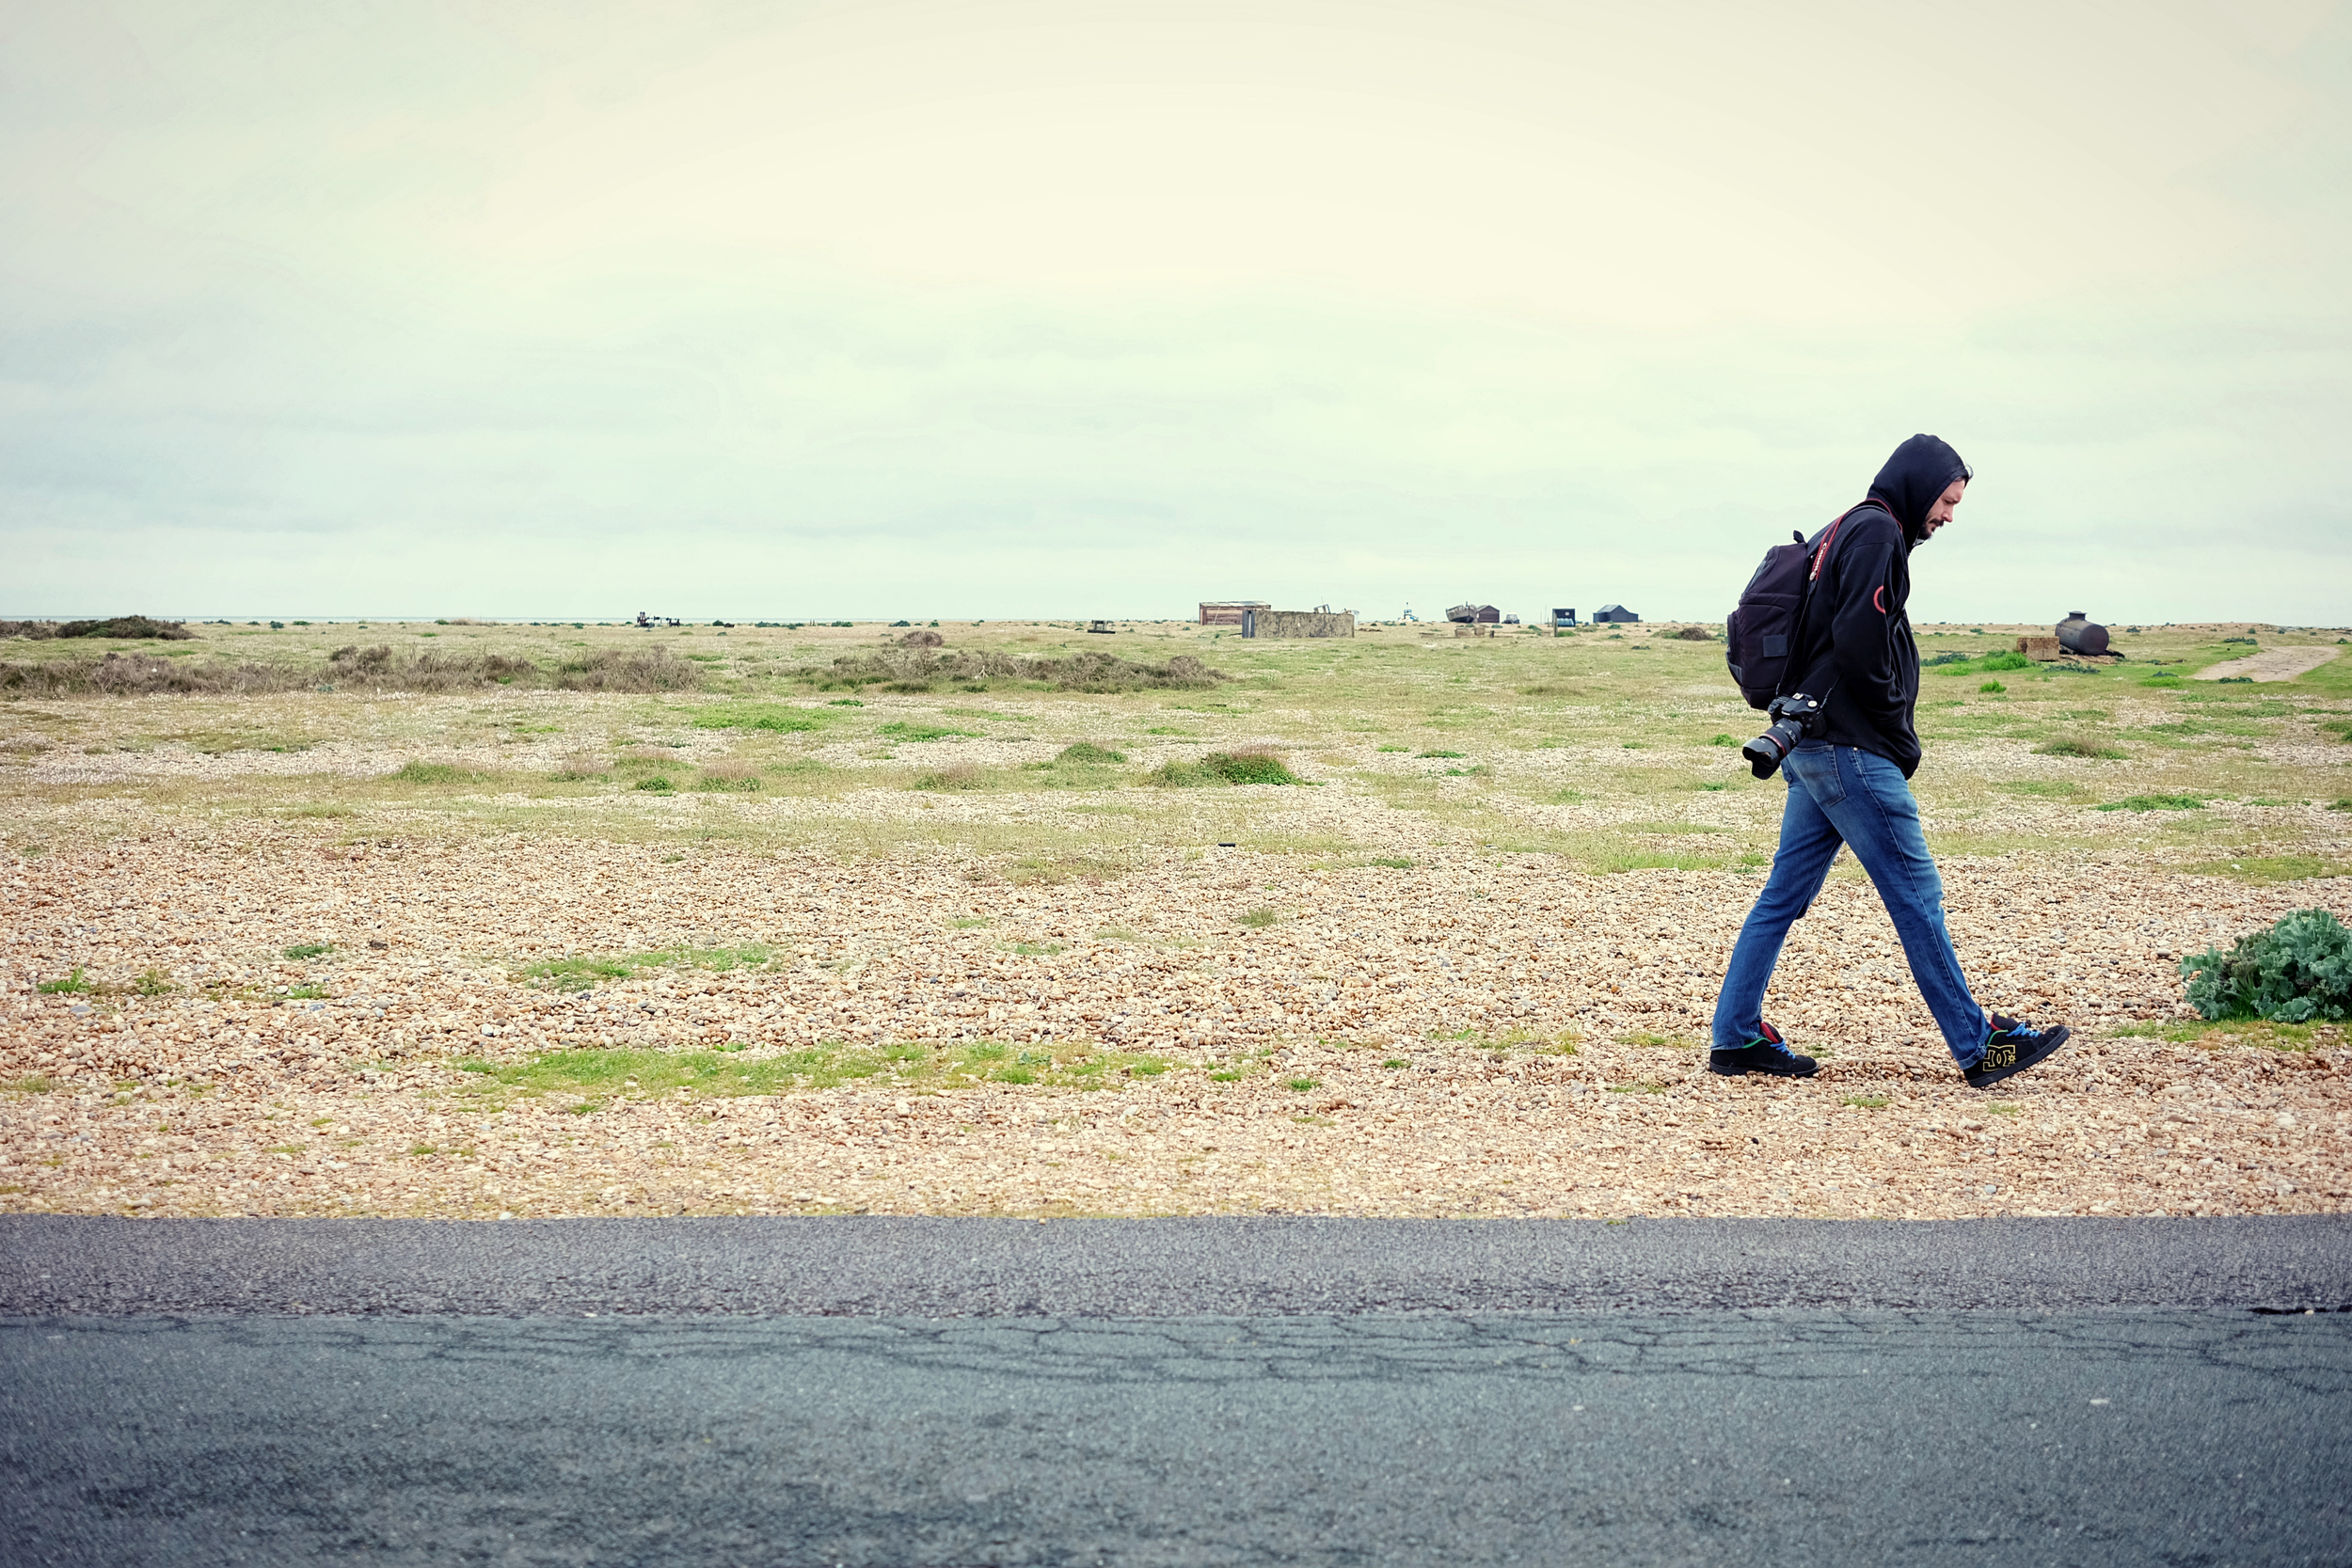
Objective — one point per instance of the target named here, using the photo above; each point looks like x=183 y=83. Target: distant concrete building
x=1229 y=613
x=1297 y=623
x=1614 y=613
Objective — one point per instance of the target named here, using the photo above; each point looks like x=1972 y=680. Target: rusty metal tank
x=2079 y=634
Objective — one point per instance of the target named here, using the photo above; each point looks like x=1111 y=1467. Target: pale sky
x=1058 y=309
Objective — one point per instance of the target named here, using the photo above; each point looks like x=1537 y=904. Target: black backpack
x=1761 y=633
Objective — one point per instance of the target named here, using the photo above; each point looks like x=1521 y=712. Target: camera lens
x=1765 y=751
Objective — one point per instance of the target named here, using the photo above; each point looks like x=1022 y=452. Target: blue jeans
x=1839 y=795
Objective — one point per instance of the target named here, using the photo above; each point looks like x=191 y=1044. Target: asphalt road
x=1136 y=1420
x=913 y=1267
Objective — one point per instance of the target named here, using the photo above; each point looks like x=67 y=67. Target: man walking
x=1848 y=782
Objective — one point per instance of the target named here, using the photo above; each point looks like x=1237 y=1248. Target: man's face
x=1941 y=512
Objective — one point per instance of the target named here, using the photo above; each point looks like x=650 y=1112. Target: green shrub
x=1993 y=686
x=2007 y=659
x=72 y=984
x=430 y=772
x=2298 y=970
x=1086 y=754
x=1250 y=768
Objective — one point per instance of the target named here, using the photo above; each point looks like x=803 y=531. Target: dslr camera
x=1793 y=718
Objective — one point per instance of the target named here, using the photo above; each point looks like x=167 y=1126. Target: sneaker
x=2013 y=1048
x=1767 y=1053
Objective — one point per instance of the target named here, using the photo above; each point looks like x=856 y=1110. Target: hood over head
x=1913 y=478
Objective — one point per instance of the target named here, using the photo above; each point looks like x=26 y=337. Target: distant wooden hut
x=1615 y=612
x=1229 y=613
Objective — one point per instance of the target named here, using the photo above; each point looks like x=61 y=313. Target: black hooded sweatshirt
x=1855 y=645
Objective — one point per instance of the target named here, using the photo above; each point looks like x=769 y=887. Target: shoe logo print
x=2000 y=1056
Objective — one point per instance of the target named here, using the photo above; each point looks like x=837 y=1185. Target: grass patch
x=772 y=717
x=580 y=972
x=1258 y=920
x=2154 y=802
x=595 y=1078
x=1084 y=754
x=2272 y=868
x=2079 y=745
x=414 y=772
x=74 y=984
x=1394 y=863
x=2053 y=789
x=1865 y=1102
x=907 y=730
x=301 y=952
x=726 y=778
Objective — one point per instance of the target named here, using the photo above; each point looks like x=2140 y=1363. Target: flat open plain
x=783 y=942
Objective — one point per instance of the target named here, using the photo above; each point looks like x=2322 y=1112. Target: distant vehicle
x=645 y=620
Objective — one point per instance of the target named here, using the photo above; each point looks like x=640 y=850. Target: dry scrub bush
x=728 y=776
x=144 y=674
x=120 y=626
x=961 y=776
x=136 y=674
x=921 y=670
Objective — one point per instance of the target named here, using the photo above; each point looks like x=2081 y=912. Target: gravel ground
x=1340 y=1089
x=2271 y=664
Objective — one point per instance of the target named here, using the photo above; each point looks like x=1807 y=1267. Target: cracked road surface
x=1790 y=1394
